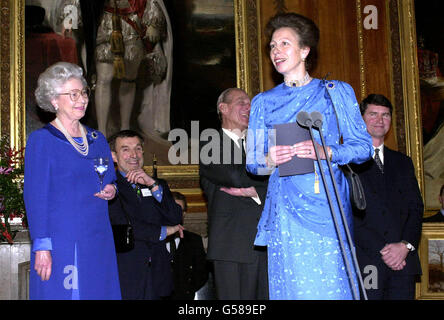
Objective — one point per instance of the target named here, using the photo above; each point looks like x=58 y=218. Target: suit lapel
x=388 y=160
x=128 y=193
x=389 y=168
x=234 y=149
x=388 y=164
x=387 y=180
x=372 y=178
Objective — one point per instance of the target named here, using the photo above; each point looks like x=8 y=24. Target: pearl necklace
x=82 y=148
x=298 y=83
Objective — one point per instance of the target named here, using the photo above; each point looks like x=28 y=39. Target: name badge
x=146 y=192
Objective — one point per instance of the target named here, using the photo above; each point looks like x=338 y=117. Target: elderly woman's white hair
x=52 y=79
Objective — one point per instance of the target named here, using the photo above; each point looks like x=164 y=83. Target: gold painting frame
x=411 y=88
x=432 y=237
x=12 y=63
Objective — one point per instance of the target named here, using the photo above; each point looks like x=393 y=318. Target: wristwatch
x=156 y=183
x=409 y=246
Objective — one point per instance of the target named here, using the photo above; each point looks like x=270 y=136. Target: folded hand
x=240 y=192
x=394 y=255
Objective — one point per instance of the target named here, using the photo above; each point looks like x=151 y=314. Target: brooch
x=94 y=135
x=330 y=85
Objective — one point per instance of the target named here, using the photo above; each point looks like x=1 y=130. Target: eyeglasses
x=75 y=93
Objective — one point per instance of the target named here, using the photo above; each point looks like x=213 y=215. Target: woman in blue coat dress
x=73 y=254
x=305 y=260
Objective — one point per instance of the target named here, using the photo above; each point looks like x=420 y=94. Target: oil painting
x=176 y=58
x=430 y=38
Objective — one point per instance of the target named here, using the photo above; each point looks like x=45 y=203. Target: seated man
x=188 y=259
x=145 y=271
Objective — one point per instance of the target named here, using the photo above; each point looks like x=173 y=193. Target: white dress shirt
x=233 y=136
x=381 y=152
x=177 y=240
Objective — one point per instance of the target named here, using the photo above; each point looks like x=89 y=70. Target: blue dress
x=305 y=260
x=63 y=214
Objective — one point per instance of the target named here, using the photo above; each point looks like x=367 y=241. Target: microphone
x=316 y=117
x=316 y=121
x=304 y=119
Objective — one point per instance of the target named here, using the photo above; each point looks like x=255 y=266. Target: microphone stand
x=316 y=117
x=305 y=120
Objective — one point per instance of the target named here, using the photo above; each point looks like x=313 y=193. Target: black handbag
x=357 y=195
x=123 y=234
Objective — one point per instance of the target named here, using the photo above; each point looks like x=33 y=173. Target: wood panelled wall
x=347 y=50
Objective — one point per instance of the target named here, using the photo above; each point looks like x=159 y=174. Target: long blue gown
x=305 y=260
x=62 y=210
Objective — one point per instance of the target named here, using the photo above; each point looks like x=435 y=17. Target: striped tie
x=378 y=160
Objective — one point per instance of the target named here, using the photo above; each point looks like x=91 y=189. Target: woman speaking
x=305 y=260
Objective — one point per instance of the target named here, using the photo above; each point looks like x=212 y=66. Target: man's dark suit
x=189 y=266
x=394 y=213
x=232 y=221
x=145 y=271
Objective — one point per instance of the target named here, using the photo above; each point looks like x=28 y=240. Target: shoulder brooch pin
x=330 y=85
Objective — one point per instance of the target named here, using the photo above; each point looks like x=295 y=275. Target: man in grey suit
x=235 y=202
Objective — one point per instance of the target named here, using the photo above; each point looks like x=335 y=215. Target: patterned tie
x=378 y=160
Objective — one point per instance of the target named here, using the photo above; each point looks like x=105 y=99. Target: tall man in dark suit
x=144 y=272
x=439 y=216
x=235 y=202
x=387 y=233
